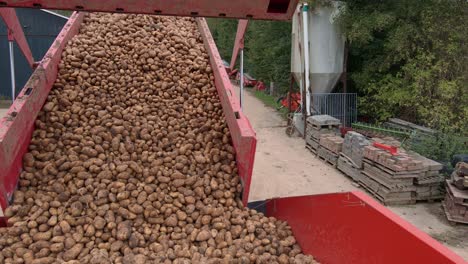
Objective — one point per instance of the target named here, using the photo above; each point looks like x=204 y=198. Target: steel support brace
x=305 y=27
x=241 y=90
x=15 y=31
x=12 y=70
x=239 y=42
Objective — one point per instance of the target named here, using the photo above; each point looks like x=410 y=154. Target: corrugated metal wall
x=40 y=28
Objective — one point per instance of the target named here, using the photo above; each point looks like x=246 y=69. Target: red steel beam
x=242 y=133
x=17 y=125
x=239 y=42
x=255 y=9
x=354 y=228
x=15 y=32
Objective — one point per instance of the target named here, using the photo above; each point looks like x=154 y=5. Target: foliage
x=267 y=51
x=408 y=59
x=439 y=146
x=224 y=34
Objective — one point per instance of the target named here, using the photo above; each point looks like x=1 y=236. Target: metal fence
x=342 y=106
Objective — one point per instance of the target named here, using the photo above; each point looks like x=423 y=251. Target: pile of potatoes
x=131 y=159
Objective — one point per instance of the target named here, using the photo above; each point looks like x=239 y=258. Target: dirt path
x=4 y=105
x=3 y=112
x=283 y=167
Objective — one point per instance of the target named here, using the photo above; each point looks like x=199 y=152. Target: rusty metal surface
x=254 y=9
x=242 y=133
x=15 y=32
x=17 y=125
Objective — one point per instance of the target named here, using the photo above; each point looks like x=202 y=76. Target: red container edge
x=354 y=228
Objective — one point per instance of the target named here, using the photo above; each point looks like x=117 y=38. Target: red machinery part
x=256 y=9
x=15 y=32
x=392 y=149
x=260 y=86
x=353 y=228
x=242 y=133
x=239 y=42
x=233 y=74
x=295 y=101
x=17 y=125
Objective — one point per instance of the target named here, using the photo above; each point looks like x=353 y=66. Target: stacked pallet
x=330 y=148
x=401 y=162
x=350 y=159
x=460 y=175
x=429 y=183
x=318 y=126
x=332 y=143
x=456 y=200
x=390 y=177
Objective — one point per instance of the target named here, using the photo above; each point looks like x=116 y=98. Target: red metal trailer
x=335 y=228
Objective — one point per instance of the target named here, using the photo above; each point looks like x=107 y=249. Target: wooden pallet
x=312 y=143
x=317 y=134
x=429 y=179
x=432 y=199
x=434 y=194
x=321 y=127
x=331 y=163
x=348 y=168
x=349 y=160
x=459 y=196
x=330 y=150
x=327 y=156
x=453 y=218
x=399 y=174
x=430 y=173
x=311 y=149
x=388 y=180
x=392 y=188
x=385 y=195
x=451 y=212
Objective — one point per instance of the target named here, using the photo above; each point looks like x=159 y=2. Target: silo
x=325 y=47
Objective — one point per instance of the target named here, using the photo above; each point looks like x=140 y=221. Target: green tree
x=267 y=51
x=224 y=34
x=408 y=59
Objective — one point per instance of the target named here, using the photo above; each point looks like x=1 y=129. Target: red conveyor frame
x=15 y=32
x=17 y=125
x=250 y=9
x=335 y=228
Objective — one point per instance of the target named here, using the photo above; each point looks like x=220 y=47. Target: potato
x=203 y=235
x=73 y=252
x=44 y=260
x=131 y=159
x=124 y=230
